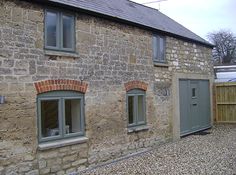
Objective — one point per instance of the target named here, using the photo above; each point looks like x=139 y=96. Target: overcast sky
x=200 y=16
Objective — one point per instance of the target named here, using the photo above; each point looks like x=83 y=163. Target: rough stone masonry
x=108 y=55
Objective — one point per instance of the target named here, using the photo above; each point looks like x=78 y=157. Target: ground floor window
x=60 y=115
x=136 y=107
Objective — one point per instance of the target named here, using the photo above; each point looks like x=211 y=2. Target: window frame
x=61 y=96
x=59 y=32
x=136 y=93
x=159 y=58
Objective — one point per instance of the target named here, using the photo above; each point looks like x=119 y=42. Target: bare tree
x=225 y=46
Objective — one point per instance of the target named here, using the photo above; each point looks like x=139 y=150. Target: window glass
x=155 y=48
x=140 y=108
x=59 y=31
x=67 y=31
x=131 y=109
x=72 y=116
x=51 y=29
x=193 y=92
x=161 y=48
x=158 y=48
x=49 y=118
x=60 y=115
x=136 y=107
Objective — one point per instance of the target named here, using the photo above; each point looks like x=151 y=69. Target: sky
x=200 y=16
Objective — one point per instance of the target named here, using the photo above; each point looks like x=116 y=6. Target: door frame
x=176 y=102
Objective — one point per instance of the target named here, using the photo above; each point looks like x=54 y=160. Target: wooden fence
x=225 y=102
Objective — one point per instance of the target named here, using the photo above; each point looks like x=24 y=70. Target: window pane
x=193 y=92
x=51 y=28
x=68 y=31
x=155 y=48
x=131 y=109
x=162 y=49
x=49 y=118
x=141 y=108
x=73 y=116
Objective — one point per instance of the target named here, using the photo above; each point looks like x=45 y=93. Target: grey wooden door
x=194 y=106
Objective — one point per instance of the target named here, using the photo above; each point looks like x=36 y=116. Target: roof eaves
x=121 y=20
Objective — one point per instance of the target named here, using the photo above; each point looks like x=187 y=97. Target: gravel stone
x=211 y=154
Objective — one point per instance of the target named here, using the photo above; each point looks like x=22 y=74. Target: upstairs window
x=59 y=31
x=159 y=44
x=60 y=115
x=136 y=107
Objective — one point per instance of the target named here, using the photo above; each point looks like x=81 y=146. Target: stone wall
x=108 y=56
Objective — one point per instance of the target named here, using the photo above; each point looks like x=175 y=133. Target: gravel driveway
x=214 y=153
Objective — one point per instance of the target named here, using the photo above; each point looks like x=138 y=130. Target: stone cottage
x=85 y=82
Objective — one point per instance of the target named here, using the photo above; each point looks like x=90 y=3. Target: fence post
x=215 y=102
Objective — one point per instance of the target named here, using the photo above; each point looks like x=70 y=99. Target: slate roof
x=134 y=13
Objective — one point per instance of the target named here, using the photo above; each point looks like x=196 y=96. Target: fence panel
x=225 y=102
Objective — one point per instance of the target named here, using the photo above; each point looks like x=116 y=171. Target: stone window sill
x=156 y=64
x=138 y=129
x=61 y=54
x=62 y=143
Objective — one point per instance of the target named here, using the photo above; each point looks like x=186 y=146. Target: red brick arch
x=61 y=84
x=136 y=85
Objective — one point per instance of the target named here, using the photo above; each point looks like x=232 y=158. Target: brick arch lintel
x=59 y=85
x=136 y=85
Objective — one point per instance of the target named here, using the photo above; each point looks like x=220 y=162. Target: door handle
x=194 y=104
